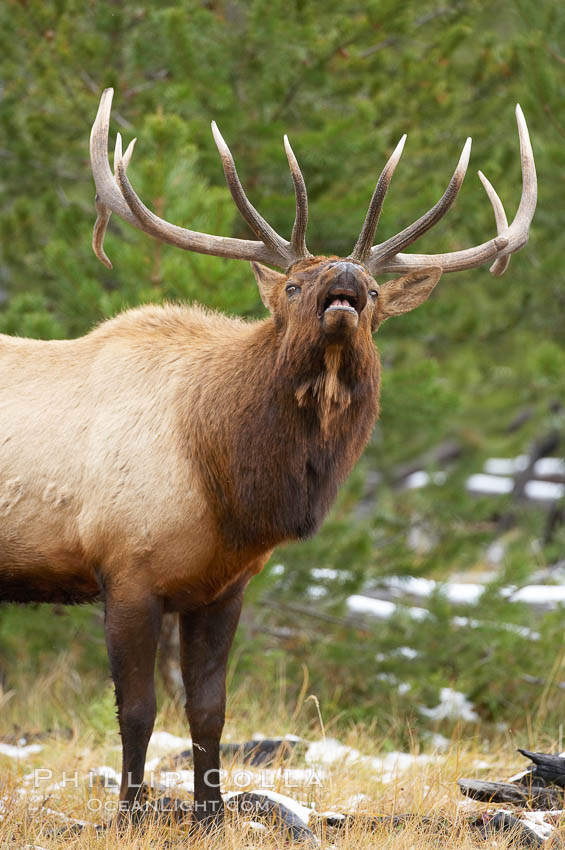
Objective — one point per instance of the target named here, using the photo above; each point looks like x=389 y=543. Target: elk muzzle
x=342 y=298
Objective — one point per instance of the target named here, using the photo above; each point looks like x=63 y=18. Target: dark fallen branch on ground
x=533 y=797
x=262 y=753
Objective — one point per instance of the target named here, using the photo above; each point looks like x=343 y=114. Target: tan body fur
x=97 y=457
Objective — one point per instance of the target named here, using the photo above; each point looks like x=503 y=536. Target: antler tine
x=116 y=194
x=104 y=213
x=108 y=198
x=508 y=241
x=413 y=232
x=364 y=243
x=117 y=152
x=99 y=232
x=529 y=196
x=126 y=158
x=298 y=238
x=255 y=221
x=501 y=264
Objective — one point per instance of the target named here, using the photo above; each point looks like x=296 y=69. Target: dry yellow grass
x=32 y=816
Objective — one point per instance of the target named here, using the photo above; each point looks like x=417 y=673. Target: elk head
x=338 y=298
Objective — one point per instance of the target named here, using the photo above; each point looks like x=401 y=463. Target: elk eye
x=374 y=293
x=291 y=289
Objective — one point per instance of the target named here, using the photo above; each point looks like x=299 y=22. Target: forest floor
x=55 y=787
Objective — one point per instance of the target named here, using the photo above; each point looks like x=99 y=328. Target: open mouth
x=340 y=299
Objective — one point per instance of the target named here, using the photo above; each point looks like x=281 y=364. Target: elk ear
x=269 y=283
x=407 y=292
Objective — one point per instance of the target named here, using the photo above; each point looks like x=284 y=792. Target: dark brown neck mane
x=286 y=437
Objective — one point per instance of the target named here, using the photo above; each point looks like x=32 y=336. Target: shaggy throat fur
x=328 y=391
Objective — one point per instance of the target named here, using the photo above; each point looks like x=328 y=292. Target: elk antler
x=386 y=257
x=116 y=194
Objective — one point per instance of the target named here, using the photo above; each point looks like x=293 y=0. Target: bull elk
x=157 y=461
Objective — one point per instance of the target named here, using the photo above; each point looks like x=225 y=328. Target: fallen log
x=525 y=795
x=262 y=753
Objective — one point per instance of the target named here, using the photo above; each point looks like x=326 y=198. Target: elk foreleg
x=205 y=638
x=132 y=634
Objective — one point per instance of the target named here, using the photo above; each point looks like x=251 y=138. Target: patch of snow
x=489 y=485
x=326 y=573
x=523 y=631
x=404 y=688
x=463 y=592
x=259 y=736
x=456 y=592
x=406 y=652
x=164 y=742
x=537 y=823
x=540 y=594
x=418 y=614
x=315 y=591
x=420 y=478
x=391 y=764
x=301 y=811
x=410 y=584
x=18 y=752
x=330 y=751
x=453 y=705
x=416 y=480
x=381 y=608
x=544 y=491
x=253 y=824
x=547 y=467
x=506 y=465
x=388 y=766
